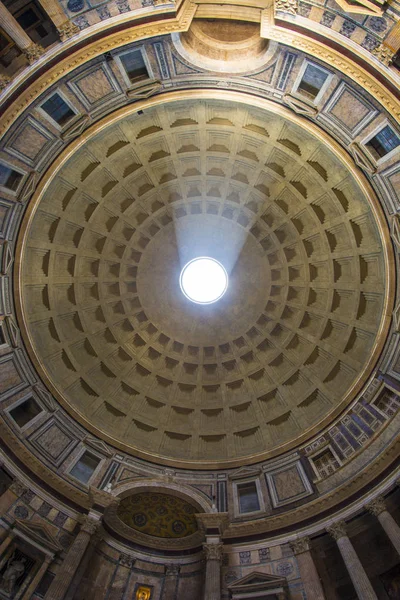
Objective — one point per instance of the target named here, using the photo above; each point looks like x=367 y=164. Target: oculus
x=203 y=280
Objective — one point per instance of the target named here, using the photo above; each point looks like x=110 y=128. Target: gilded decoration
x=158 y=515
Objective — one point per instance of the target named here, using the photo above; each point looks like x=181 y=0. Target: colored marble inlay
x=158 y=515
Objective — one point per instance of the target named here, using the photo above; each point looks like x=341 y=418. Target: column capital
x=18 y=488
x=4 y=81
x=376 y=506
x=90 y=525
x=300 y=545
x=126 y=561
x=172 y=570
x=67 y=30
x=384 y=54
x=33 y=52
x=337 y=530
x=213 y=551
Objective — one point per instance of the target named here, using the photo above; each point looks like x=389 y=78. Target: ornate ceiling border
x=29 y=92
x=343 y=156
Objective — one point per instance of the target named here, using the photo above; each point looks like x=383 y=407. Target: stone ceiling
x=266 y=366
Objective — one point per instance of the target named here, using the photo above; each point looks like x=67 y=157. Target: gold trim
x=180 y=23
x=342 y=155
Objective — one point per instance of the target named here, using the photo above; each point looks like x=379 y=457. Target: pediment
x=244 y=472
x=257 y=582
x=36 y=532
x=98 y=445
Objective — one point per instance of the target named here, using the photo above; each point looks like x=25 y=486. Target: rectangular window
x=134 y=65
x=25 y=412
x=9 y=178
x=58 y=109
x=248 y=497
x=383 y=142
x=85 y=467
x=312 y=81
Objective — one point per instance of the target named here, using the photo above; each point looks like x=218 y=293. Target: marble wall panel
x=349 y=110
x=54 y=441
x=31 y=142
x=288 y=484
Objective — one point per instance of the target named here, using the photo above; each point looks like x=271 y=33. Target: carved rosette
x=127 y=561
x=337 y=530
x=67 y=30
x=287 y=6
x=384 y=54
x=300 y=545
x=213 y=551
x=33 y=52
x=376 y=506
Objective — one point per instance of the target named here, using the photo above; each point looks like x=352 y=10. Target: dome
x=161 y=441
x=297 y=331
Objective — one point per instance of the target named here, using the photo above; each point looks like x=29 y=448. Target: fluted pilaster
x=121 y=577
x=356 y=571
x=307 y=568
x=63 y=579
x=212 y=588
x=171 y=581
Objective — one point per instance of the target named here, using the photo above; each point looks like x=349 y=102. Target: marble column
x=378 y=508
x=37 y=579
x=212 y=588
x=11 y=26
x=170 y=582
x=15 y=491
x=65 y=27
x=121 y=577
x=356 y=571
x=60 y=584
x=307 y=568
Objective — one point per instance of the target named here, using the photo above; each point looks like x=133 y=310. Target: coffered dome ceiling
x=286 y=348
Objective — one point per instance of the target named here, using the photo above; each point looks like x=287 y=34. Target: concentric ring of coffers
x=296 y=333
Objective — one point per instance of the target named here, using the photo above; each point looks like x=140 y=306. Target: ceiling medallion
x=203 y=280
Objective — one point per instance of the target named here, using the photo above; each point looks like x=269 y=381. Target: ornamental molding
x=287 y=6
x=213 y=520
x=180 y=23
x=67 y=30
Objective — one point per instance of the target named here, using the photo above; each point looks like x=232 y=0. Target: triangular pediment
x=257 y=581
x=244 y=472
x=98 y=445
x=37 y=533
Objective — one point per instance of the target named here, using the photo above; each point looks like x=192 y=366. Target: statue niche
x=14 y=572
